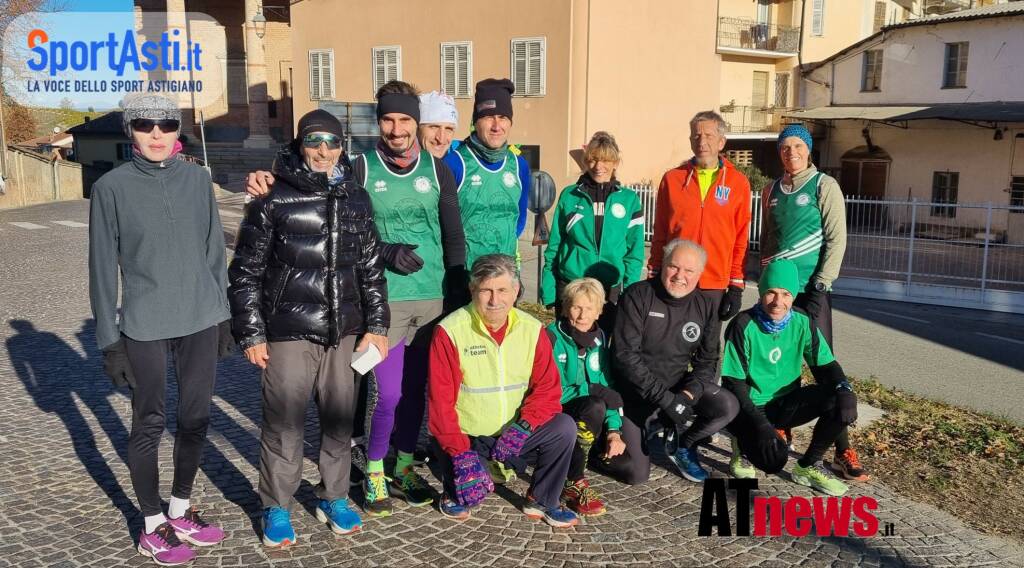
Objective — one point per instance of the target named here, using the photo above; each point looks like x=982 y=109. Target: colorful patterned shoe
x=583 y=498
x=376 y=499
x=338 y=515
x=451 y=509
x=164 y=547
x=190 y=527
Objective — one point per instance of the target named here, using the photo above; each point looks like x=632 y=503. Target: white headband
x=437 y=107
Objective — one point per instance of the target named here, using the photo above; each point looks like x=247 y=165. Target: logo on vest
x=595 y=361
x=773 y=202
x=563 y=358
x=774 y=355
x=475 y=180
x=691 y=332
x=379 y=186
x=475 y=350
x=618 y=211
x=803 y=199
x=421 y=184
x=722 y=194
x=509 y=179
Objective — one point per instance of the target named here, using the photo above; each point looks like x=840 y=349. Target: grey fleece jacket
x=157 y=226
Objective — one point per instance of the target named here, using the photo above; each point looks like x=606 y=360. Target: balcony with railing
x=745 y=36
x=749 y=119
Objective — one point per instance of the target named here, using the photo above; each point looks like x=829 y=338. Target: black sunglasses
x=146 y=125
x=314 y=140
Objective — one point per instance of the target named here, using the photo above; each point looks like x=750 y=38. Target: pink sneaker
x=163 y=546
x=190 y=527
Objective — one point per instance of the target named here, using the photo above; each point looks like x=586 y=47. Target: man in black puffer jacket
x=306 y=279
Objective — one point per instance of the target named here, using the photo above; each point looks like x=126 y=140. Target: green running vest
x=798 y=226
x=489 y=202
x=405 y=210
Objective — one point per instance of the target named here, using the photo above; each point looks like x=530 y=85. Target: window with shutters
x=529 y=66
x=945 y=186
x=387 y=65
x=818 y=18
x=321 y=74
x=1017 y=193
x=782 y=90
x=879 y=16
x=457 y=68
x=871 y=74
x=955 y=70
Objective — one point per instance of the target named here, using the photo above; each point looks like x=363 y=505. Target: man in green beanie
x=764 y=352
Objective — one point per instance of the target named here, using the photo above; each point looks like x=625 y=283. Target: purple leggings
x=401 y=386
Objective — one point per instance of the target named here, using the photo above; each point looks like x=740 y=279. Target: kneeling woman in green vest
x=611 y=442
x=597 y=231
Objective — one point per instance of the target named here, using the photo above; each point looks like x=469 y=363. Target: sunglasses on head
x=314 y=140
x=146 y=125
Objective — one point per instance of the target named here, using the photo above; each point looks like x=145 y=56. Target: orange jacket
x=719 y=223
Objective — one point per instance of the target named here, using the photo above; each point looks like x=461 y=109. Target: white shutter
x=321 y=74
x=818 y=18
x=529 y=66
x=457 y=68
x=464 y=65
x=387 y=65
x=449 y=77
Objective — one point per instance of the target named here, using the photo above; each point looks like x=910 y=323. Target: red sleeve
x=662 y=217
x=739 y=251
x=544 y=397
x=445 y=377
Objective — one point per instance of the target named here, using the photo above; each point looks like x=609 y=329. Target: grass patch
x=969 y=464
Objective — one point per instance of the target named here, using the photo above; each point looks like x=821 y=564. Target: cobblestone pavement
x=66 y=498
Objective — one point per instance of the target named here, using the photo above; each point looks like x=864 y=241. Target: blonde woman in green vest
x=804 y=220
x=597 y=231
x=611 y=442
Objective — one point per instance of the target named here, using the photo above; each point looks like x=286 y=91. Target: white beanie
x=437 y=107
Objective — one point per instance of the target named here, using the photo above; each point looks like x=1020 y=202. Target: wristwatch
x=525 y=426
x=844 y=386
x=820 y=286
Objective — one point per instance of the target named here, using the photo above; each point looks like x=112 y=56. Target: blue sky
x=98 y=5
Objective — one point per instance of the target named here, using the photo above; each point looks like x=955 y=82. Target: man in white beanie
x=438 y=121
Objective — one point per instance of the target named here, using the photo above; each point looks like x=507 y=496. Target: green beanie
x=781 y=273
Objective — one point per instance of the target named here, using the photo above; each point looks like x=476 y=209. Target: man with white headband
x=438 y=121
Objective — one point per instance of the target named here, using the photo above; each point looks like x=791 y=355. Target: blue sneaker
x=558 y=516
x=687 y=460
x=451 y=509
x=277 y=527
x=339 y=516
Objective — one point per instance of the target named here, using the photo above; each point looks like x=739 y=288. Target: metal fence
x=745 y=33
x=964 y=245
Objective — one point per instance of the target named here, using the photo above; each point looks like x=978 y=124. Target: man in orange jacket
x=707 y=200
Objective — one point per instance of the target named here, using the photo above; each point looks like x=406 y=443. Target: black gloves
x=816 y=302
x=846 y=405
x=455 y=288
x=676 y=408
x=612 y=400
x=116 y=366
x=400 y=258
x=225 y=341
x=731 y=302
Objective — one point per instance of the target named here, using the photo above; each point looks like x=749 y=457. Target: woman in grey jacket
x=154 y=223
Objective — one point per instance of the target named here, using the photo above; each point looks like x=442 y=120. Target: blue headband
x=797 y=130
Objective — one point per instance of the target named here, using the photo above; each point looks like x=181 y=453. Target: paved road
x=66 y=499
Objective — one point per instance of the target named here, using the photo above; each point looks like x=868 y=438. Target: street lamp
x=259 y=21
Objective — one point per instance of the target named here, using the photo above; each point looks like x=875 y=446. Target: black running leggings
x=195 y=358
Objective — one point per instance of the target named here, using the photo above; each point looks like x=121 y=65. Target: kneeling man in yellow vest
x=494 y=394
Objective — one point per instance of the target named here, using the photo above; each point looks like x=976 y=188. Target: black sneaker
x=413 y=488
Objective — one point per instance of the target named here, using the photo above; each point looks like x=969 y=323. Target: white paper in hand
x=363 y=361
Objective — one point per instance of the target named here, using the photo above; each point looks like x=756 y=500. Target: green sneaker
x=376 y=499
x=820 y=478
x=414 y=488
x=739 y=467
x=500 y=474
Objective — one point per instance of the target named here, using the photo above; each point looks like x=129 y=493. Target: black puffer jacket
x=307 y=262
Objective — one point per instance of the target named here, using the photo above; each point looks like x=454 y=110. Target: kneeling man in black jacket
x=665 y=351
x=306 y=280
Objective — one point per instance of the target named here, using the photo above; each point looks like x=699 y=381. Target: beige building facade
x=636 y=69
x=931 y=110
